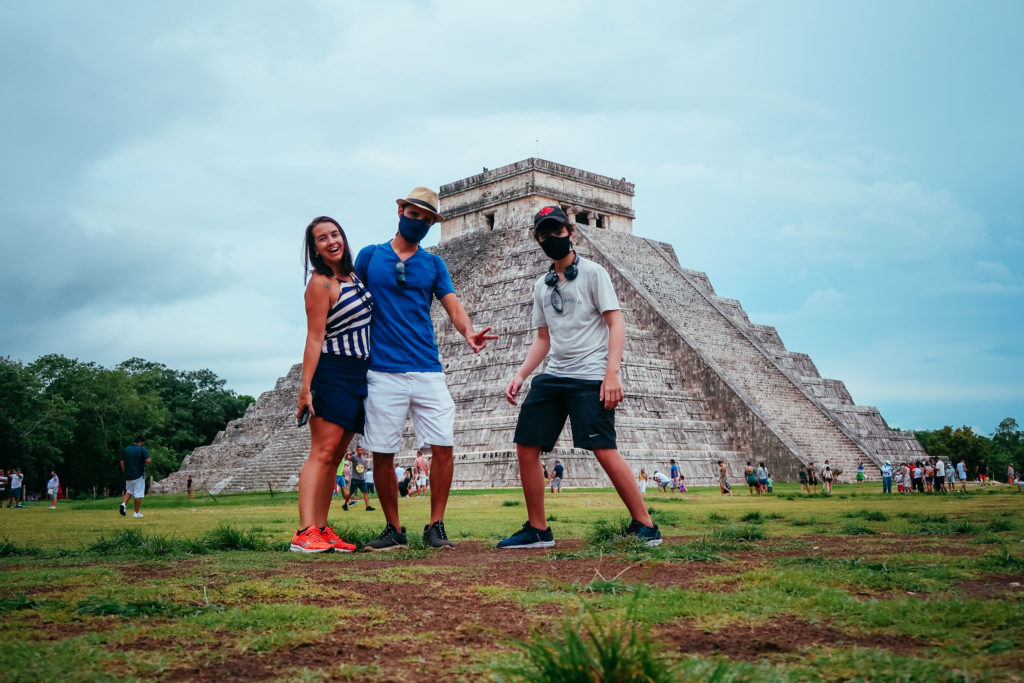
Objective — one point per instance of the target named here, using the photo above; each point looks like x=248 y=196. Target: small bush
x=604 y=531
x=855 y=529
x=801 y=522
x=552 y=518
x=717 y=518
x=228 y=537
x=753 y=517
x=9 y=548
x=511 y=503
x=663 y=517
x=998 y=525
x=876 y=516
x=20 y=602
x=594 y=651
x=1002 y=561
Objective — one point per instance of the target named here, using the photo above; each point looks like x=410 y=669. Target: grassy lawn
x=855 y=586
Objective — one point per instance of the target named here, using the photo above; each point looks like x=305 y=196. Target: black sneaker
x=389 y=539
x=434 y=536
x=370 y=508
x=120 y=509
x=649 y=535
x=528 y=537
x=344 y=506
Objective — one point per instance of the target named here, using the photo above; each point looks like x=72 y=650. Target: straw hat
x=422 y=197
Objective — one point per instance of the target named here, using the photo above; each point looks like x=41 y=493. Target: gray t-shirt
x=358 y=468
x=579 y=335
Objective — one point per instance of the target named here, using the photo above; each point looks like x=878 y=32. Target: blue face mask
x=413 y=229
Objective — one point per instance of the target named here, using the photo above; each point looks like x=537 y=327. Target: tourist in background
x=642 y=480
x=358 y=482
x=961 y=474
x=802 y=478
x=334 y=364
x=723 y=480
x=133 y=464
x=762 y=478
x=826 y=477
x=556 y=477
x=812 y=479
x=751 y=477
x=983 y=472
x=673 y=471
x=886 y=477
x=53 y=489
x=860 y=474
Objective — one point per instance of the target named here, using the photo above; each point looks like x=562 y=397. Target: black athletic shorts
x=551 y=400
x=357 y=485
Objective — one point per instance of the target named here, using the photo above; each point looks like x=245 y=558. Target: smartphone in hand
x=304 y=416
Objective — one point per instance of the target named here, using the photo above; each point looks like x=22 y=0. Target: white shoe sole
x=384 y=550
x=342 y=550
x=300 y=549
x=538 y=544
x=654 y=543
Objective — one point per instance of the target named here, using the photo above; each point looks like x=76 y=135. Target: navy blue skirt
x=339 y=388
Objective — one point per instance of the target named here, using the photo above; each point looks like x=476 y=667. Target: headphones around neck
x=571 y=271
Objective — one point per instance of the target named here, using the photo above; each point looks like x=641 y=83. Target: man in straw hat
x=406 y=377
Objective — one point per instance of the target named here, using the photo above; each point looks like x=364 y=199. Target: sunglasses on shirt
x=400 y=274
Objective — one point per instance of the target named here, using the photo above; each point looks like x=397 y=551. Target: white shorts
x=393 y=396
x=421 y=480
x=51 y=494
x=136 y=487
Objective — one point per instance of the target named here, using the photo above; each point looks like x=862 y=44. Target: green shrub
x=510 y=503
x=228 y=537
x=855 y=529
x=754 y=517
x=9 y=548
x=585 y=651
x=717 y=518
x=663 y=517
x=998 y=525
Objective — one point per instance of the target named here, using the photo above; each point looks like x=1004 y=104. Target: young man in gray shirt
x=581 y=333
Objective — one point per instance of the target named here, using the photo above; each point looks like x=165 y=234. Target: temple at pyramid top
x=512 y=194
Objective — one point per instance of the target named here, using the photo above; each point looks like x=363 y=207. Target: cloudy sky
x=851 y=172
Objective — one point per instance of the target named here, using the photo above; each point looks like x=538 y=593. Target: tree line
x=1004 y=447
x=62 y=414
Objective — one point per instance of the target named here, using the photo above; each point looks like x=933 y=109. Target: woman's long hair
x=312 y=258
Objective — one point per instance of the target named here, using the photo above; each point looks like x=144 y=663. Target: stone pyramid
x=702 y=382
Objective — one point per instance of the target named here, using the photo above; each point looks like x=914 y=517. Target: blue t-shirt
x=402 y=333
x=558 y=471
x=675 y=471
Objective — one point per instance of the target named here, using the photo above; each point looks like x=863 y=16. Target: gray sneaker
x=434 y=536
x=389 y=539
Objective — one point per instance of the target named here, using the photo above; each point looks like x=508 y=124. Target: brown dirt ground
x=783 y=634
x=436 y=621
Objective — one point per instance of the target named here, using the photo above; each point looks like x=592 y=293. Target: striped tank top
x=348 y=322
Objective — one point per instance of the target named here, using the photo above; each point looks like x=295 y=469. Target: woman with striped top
x=334 y=364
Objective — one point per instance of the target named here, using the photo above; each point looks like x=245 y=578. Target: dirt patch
x=783 y=634
x=135 y=573
x=993 y=587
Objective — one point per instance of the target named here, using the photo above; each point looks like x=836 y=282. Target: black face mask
x=556 y=247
